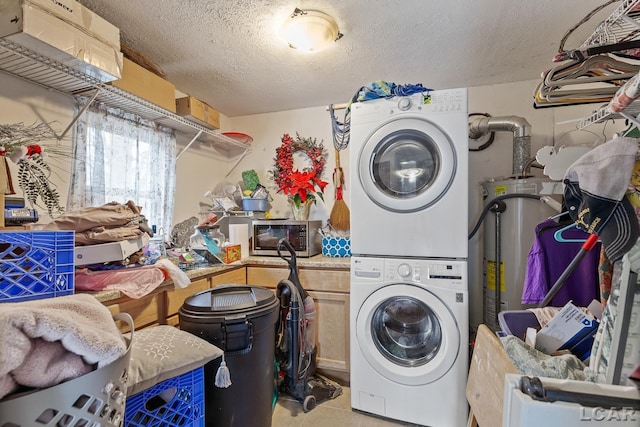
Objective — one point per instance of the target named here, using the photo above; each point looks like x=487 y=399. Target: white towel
x=48 y=341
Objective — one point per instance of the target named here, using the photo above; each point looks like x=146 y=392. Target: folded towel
x=52 y=340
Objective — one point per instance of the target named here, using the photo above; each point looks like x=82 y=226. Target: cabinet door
x=145 y=311
x=235 y=277
x=332 y=330
x=176 y=297
x=330 y=291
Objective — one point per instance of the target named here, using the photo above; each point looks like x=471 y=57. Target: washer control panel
x=419 y=270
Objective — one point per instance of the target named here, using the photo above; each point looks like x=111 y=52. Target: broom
x=340 y=215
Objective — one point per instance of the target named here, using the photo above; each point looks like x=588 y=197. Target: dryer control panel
x=447 y=100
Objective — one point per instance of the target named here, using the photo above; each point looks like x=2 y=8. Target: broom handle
x=337 y=177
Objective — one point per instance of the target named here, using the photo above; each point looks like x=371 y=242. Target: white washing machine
x=409 y=176
x=409 y=339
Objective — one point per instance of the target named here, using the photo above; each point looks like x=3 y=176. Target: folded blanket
x=48 y=341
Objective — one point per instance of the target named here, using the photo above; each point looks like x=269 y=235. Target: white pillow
x=162 y=352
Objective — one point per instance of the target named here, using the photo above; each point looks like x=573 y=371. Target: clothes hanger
x=561 y=239
x=574 y=74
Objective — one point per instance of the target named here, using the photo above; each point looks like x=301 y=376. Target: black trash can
x=241 y=320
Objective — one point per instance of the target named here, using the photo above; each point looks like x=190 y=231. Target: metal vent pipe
x=521 y=137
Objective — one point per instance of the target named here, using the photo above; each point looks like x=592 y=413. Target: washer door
x=407 y=334
x=407 y=164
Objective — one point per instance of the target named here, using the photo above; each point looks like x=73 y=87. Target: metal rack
x=622 y=25
x=618 y=26
x=51 y=74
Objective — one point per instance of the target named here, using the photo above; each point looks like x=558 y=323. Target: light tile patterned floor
x=331 y=413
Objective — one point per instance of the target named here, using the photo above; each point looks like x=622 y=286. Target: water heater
x=507 y=240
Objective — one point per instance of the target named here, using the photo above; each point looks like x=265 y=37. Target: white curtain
x=119 y=156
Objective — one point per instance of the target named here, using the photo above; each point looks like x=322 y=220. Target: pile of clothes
x=112 y=222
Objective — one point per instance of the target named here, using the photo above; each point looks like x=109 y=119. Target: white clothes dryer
x=409 y=339
x=409 y=176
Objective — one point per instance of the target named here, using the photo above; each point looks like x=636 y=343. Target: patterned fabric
x=529 y=361
x=605 y=271
x=162 y=352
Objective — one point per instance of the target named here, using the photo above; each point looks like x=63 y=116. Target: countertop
x=318 y=261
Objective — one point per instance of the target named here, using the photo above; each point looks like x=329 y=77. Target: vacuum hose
x=290 y=303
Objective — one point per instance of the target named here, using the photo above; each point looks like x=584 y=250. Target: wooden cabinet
x=330 y=290
x=162 y=307
x=236 y=277
x=145 y=311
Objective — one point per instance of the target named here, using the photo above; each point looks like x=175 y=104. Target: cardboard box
x=193 y=109
x=571 y=329
x=75 y=14
x=44 y=33
x=231 y=253
x=147 y=85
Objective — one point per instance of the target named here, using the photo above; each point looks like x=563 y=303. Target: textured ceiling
x=229 y=54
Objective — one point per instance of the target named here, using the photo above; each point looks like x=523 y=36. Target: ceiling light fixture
x=310 y=30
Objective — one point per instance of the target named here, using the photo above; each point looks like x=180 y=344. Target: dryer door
x=407 y=164
x=407 y=334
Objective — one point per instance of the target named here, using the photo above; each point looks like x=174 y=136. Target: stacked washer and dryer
x=409 y=289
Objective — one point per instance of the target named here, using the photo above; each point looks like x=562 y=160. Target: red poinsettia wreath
x=303 y=185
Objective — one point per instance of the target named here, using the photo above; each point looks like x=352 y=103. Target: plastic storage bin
x=241 y=320
x=516 y=322
x=258 y=205
x=36 y=264
x=177 y=401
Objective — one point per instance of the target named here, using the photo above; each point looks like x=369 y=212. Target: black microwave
x=304 y=236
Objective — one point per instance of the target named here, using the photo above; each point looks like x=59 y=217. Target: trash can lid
x=230 y=298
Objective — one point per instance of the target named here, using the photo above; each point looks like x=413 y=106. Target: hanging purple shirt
x=549 y=258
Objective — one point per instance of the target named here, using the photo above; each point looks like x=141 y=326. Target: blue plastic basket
x=178 y=401
x=36 y=264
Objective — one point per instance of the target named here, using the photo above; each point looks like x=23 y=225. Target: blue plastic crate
x=178 y=401
x=36 y=264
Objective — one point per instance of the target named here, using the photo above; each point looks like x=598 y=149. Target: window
x=119 y=156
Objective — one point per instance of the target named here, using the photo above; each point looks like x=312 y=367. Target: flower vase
x=301 y=213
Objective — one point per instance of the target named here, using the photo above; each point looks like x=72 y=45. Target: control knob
x=404 y=104
x=404 y=270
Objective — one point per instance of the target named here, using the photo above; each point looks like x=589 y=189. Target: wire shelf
x=622 y=25
x=23 y=63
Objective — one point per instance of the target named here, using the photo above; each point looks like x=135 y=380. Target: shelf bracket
x=244 y=153
x=77 y=116
x=189 y=144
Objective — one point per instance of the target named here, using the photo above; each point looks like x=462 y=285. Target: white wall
x=23 y=102
x=202 y=167
x=267 y=131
